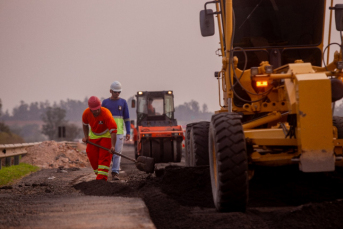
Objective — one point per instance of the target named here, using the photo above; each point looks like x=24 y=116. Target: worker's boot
x=115 y=176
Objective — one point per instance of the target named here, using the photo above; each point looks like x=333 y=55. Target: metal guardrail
x=8 y=151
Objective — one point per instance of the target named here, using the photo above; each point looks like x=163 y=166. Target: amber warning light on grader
x=262 y=84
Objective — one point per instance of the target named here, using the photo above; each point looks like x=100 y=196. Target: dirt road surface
x=279 y=197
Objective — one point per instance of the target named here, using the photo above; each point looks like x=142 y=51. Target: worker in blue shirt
x=120 y=113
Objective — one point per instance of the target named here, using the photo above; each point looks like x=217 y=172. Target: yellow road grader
x=277 y=92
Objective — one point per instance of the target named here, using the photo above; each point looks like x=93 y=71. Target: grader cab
x=277 y=94
x=157 y=133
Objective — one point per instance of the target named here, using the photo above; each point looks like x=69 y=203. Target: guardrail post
x=16 y=160
x=8 y=161
x=8 y=151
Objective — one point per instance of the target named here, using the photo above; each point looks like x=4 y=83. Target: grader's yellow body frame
x=276 y=100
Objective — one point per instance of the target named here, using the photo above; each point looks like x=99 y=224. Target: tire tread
x=231 y=193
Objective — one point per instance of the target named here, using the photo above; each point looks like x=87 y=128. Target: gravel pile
x=51 y=154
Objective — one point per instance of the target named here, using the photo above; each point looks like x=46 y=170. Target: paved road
x=47 y=199
x=84 y=212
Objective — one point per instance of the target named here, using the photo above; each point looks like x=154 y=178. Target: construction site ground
x=68 y=196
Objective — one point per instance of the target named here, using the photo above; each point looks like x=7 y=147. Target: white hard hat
x=116 y=86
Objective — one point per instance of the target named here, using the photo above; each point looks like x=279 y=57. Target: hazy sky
x=59 y=49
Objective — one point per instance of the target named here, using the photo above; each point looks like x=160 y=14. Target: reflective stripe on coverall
x=100 y=161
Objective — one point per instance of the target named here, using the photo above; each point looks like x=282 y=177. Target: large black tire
x=146 y=148
x=188 y=156
x=199 y=144
x=156 y=150
x=228 y=163
x=178 y=150
x=338 y=123
x=187 y=143
x=168 y=155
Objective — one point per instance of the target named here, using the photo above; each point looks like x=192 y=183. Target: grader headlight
x=268 y=69
x=260 y=79
x=254 y=71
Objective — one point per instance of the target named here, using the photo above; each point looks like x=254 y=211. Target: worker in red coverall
x=102 y=131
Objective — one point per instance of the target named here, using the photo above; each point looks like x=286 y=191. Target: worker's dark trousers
x=100 y=159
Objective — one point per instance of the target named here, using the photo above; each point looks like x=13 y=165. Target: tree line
x=186 y=112
x=53 y=116
x=6 y=136
x=35 y=110
x=68 y=114
x=73 y=109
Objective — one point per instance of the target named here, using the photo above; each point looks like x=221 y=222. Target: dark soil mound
x=279 y=197
x=287 y=186
x=169 y=199
x=104 y=188
x=190 y=186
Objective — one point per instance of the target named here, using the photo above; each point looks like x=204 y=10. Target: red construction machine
x=156 y=133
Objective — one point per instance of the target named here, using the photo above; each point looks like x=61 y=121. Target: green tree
x=73 y=132
x=204 y=108
x=194 y=106
x=34 y=112
x=74 y=108
x=53 y=118
x=21 y=112
x=29 y=132
x=3 y=127
x=190 y=112
x=6 y=136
